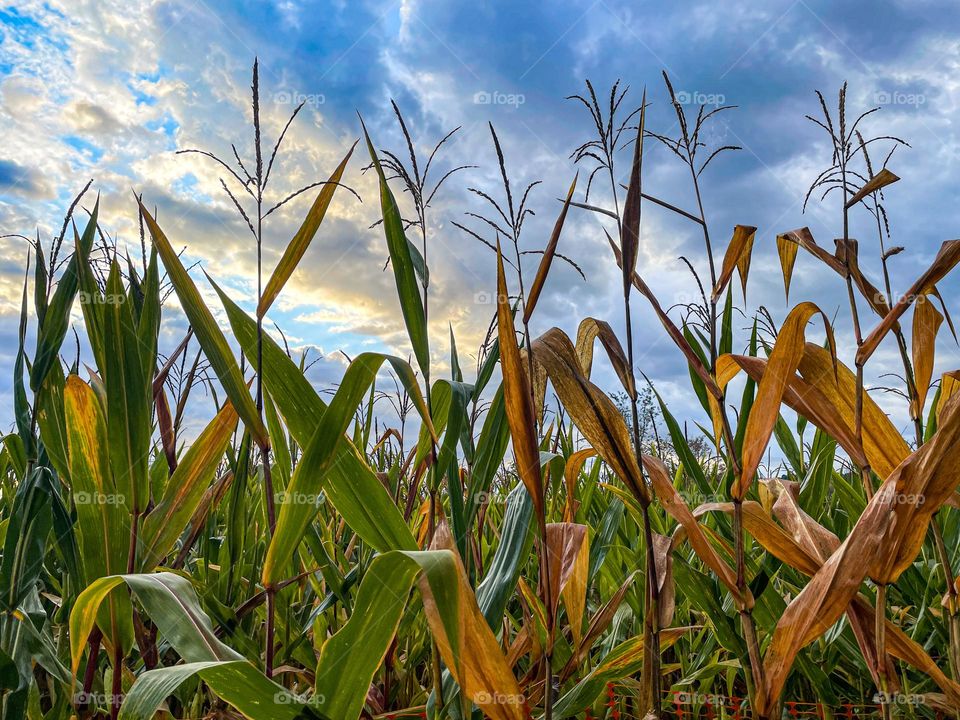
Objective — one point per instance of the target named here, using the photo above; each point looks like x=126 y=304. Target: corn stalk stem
x=436 y=670
x=748 y=626
x=90 y=670
x=116 y=689
x=880 y=640
x=652 y=620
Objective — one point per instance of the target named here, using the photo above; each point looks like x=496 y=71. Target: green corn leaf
x=23 y=548
x=304 y=236
x=128 y=397
x=404 y=271
x=491 y=447
x=103 y=512
x=170 y=602
x=349 y=659
x=351 y=484
x=50 y=420
x=236 y=682
x=57 y=316
x=21 y=406
x=148 y=321
x=208 y=333
x=184 y=491
x=300 y=502
x=40 y=281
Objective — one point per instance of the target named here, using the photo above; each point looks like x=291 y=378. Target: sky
x=111 y=90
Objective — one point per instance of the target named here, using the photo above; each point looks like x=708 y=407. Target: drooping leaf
x=784 y=359
x=591 y=329
x=236 y=682
x=590 y=409
x=926 y=323
x=350 y=658
x=736 y=257
x=787 y=251
x=947 y=258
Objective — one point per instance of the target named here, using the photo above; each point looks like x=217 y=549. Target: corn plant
x=531 y=545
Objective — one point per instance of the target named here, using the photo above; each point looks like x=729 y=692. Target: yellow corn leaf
x=590 y=409
x=301 y=241
x=787 y=250
x=571 y=472
x=926 y=323
x=479 y=667
x=591 y=329
x=737 y=256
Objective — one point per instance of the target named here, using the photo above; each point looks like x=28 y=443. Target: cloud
x=112 y=90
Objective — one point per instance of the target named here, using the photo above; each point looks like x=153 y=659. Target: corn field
x=536 y=545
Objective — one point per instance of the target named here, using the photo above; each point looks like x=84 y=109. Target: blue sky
x=109 y=90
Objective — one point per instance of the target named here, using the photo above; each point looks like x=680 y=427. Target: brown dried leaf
x=474 y=658
x=590 y=409
x=949 y=385
x=828 y=594
x=943 y=263
x=781 y=366
x=591 y=329
x=737 y=256
x=569 y=548
x=880 y=180
x=679 y=511
x=883 y=444
x=630 y=229
x=571 y=472
x=923 y=483
x=517 y=399
x=787 y=250
x=547 y=258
